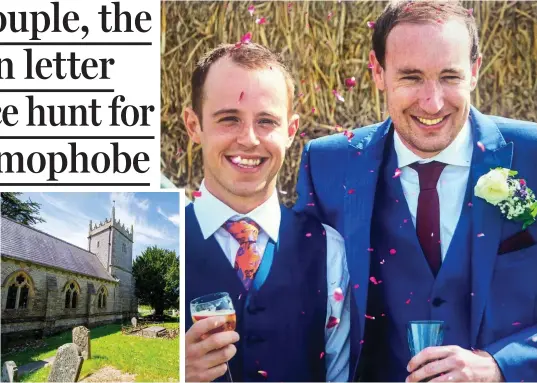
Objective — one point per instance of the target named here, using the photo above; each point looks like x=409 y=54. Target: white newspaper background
x=52 y=155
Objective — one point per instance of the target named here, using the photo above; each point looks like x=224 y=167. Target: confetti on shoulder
x=262 y=373
x=196 y=194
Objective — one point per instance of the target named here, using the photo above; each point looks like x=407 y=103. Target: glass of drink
x=423 y=334
x=214 y=305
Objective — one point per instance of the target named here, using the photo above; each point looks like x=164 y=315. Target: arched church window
x=98 y=243
x=18 y=292
x=72 y=291
x=102 y=297
x=124 y=248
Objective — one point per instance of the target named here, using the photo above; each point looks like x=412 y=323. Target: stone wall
x=46 y=310
x=99 y=240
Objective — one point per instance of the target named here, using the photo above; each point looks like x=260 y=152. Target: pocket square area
x=519 y=241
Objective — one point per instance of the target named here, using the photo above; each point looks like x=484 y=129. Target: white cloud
x=144 y=205
x=128 y=210
x=172 y=218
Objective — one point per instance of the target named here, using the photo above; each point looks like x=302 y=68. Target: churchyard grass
x=151 y=360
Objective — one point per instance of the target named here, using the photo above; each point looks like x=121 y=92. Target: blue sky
x=155 y=216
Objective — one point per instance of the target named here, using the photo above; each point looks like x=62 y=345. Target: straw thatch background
x=327 y=42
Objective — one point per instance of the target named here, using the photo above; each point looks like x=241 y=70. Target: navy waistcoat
x=282 y=325
x=404 y=288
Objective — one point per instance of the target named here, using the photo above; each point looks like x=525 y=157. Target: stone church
x=49 y=285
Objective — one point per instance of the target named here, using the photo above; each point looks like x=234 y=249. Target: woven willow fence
x=326 y=42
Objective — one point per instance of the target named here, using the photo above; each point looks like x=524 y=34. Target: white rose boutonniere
x=514 y=198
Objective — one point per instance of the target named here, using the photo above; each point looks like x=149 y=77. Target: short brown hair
x=419 y=12
x=249 y=56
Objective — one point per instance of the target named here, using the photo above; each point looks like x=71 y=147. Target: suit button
x=437 y=302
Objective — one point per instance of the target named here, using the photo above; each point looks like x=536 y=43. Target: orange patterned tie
x=248 y=258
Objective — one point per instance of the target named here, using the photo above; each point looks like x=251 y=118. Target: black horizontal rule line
x=81 y=43
x=74 y=184
x=56 y=90
x=77 y=137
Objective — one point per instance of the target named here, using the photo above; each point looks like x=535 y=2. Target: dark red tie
x=428 y=215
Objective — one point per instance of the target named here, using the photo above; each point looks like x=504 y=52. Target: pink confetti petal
x=322 y=355
x=348 y=134
x=470 y=11
x=481 y=146
x=397 y=173
x=393 y=251
x=516 y=323
x=371 y=24
x=480 y=235
x=350 y=82
x=262 y=373
x=369 y=317
x=382 y=262
x=312 y=110
x=246 y=38
x=241 y=96
x=522 y=182
x=338 y=294
x=308 y=235
x=339 y=97
x=362 y=341
x=310 y=204
x=332 y=322
x=356 y=286
x=351 y=191
x=470 y=204
x=408 y=301
x=240 y=296
x=329 y=16
x=179 y=152
x=370 y=249
x=251 y=9
x=373 y=280
x=370 y=66
x=196 y=194
x=472 y=294
x=260 y=21
x=302 y=134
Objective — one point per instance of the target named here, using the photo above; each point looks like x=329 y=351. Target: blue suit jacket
x=337 y=182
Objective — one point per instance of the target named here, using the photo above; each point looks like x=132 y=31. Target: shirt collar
x=213 y=213
x=458 y=153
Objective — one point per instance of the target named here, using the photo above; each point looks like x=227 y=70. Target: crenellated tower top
x=111 y=222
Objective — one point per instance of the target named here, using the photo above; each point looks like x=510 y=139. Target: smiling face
x=427 y=79
x=246 y=131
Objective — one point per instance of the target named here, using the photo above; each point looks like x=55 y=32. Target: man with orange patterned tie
x=285 y=272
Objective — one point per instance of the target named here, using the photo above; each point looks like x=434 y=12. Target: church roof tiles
x=28 y=244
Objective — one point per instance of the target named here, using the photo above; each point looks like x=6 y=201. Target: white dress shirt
x=451 y=185
x=212 y=213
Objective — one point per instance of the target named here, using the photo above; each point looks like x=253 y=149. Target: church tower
x=112 y=242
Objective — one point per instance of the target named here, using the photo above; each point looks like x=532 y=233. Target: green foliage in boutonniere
x=514 y=198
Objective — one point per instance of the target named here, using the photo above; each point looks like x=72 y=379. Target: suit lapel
x=363 y=164
x=487 y=219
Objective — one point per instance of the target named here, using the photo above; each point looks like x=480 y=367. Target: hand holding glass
x=214 y=305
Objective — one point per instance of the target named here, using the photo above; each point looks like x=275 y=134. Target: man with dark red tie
x=437 y=223
x=284 y=271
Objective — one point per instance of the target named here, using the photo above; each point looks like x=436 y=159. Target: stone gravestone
x=66 y=367
x=10 y=372
x=81 y=337
x=134 y=322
